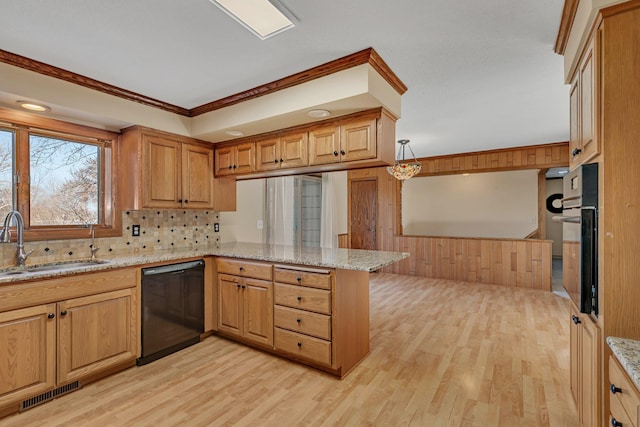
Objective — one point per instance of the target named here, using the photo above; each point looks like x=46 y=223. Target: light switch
x=259 y=224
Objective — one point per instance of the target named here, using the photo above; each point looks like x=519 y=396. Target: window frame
x=23 y=124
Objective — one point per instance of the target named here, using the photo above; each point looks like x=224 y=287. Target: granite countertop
x=628 y=353
x=348 y=259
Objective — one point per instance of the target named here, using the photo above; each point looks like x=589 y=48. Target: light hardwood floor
x=443 y=353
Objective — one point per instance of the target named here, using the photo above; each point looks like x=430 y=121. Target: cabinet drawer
x=304 y=278
x=305 y=322
x=626 y=401
x=244 y=268
x=303 y=346
x=303 y=298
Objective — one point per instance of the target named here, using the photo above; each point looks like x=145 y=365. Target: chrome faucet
x=93 y=243
x=5 y=236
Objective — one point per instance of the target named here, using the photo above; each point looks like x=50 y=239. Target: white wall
x=495 y=204
x=240 y=226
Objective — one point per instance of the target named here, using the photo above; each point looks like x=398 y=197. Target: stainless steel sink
x=54 y=266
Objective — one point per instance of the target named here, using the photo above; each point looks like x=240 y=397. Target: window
x=60 y=176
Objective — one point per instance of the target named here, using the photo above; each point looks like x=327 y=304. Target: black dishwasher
x=172 y=308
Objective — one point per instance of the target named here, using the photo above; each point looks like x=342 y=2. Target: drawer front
x=304 y=278
x=619 y=414
x=304 y=322
x=303 y=346
x=628 y=399
x=244 y=268
x=315 y=300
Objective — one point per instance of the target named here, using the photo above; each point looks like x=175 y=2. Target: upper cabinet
x=583 y=141
x=167 y=171
x=364 y=139
x=287 y=151
x=235 y=159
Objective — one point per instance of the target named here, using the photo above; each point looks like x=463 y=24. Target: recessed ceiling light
x=234 y=133
x=318 y=114
x=31 y=106
x=260 y=17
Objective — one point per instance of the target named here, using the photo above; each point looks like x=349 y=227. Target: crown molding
x=566 y=22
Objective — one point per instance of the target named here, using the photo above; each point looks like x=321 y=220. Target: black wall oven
x=580 y=218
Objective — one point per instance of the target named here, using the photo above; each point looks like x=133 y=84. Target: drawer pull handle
x=50 y=316
x=576 y=151
x=244 y=286
x=238 y=285
x=63 y=313
x=299 y=321
x=299 y=299
x=299 y=279
x=299 y=344
x=241 y=268
x=615 y=423
x=575 y=319
x=615 y=389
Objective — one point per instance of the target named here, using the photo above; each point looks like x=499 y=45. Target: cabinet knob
x=300 y=346
x=244 y=286
x=230 y=167
x=51 y=316
x=615 y=389
x=179 y=200
x=576 y=151
x=615 y=423
x=63 y=313
x=241 y=268
x=281 y=161
x=238 y=285
x=234 y=166
x=299 y=299
x=299 y=321
x=342 y=152
x=335 y=153
x=186 y=201
x=299 y=279
x=575 y=319
x=275 y=161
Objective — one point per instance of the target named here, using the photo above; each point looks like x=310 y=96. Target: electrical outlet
x=135 y=230
x=216 y=227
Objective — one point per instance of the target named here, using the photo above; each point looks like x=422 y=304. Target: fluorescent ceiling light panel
x=258 y=16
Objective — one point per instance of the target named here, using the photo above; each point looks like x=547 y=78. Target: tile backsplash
x=159 y=230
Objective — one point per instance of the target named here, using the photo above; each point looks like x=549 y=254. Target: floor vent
x=49 y=395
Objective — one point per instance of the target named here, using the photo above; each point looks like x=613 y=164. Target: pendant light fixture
x=403 y=170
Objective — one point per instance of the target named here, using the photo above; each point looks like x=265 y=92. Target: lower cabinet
x=245 y=308
x=624 y=397
x=585 y=367
x=52 y=344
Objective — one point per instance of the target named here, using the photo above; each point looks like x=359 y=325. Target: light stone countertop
x=628 y=354
x=347 y=259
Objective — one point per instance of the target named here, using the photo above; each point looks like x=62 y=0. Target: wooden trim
x=343 y=241
x=516 y=158
x=620 y=8
x=542 y=204
x=566 y=22
x=78 y=79
x=365 y=56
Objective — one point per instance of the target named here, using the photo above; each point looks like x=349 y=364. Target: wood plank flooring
x=443 y=353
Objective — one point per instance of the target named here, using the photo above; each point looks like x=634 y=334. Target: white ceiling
x=481 y=74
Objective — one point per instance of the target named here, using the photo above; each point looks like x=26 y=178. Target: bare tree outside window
x=6 y=172
x=64 y=188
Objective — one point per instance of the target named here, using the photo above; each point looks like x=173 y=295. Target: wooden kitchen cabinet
x=61 y=330
x=165 y=171
x=235 y=159
x=287 y=151
x=583 y=140
x=623 y=395
x=95 y=333
x=245 y=301
x=348 y=142
x=27 y=353
x=585 y=367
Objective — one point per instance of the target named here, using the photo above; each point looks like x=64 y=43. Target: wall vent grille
x=49 y=395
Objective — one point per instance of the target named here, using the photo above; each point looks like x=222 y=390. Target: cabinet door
x=162 y=172
x=268 y=154
x=245 y=158
x=96 y=333
x=224 y=160
x=258 y=311
x=324 y=145
x=27 y=353
x=588 y=139
x=293 y=150
x=229 y=304
x=575 y=349
x=574 y=124
x=197 y=176
x=358 y=140
x=590 y=374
